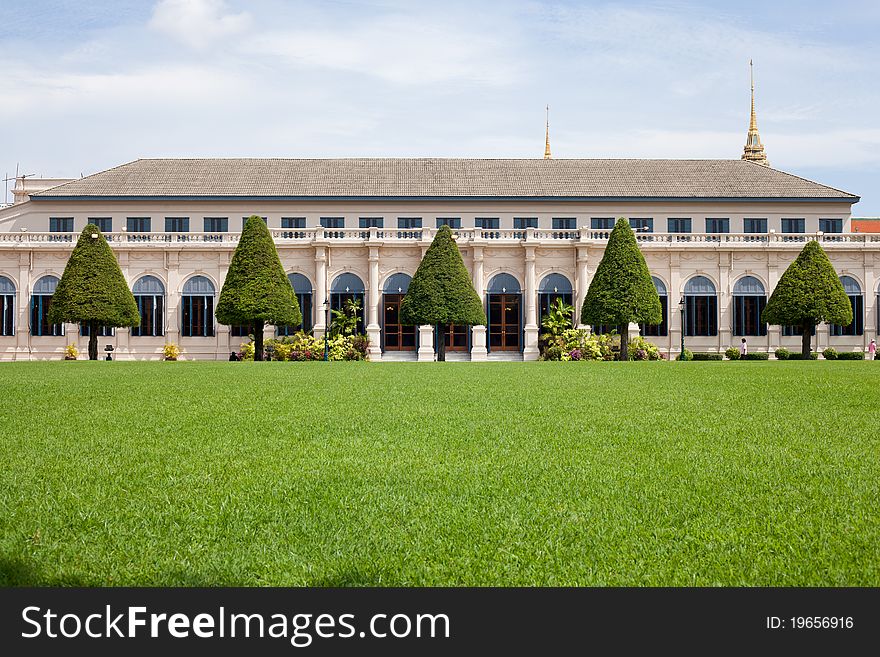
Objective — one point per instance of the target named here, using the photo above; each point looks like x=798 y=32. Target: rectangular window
x=216 y=224
x=333 y=222
x=453 y=222
x=717 y=225
x=244 y=221
x=409 y=223
x=104 y=224
x=793 y=226
x=701 y=315
x=488 y=223
x=370 y=222
x=564 y=223
x=602 y=223
x=751 y=225
x=150 y=308
x=40 y=304
x=137 y=224
x=642 y=225
x=197 y=318
x=678 y=225
x=521 y=223
x=176 y=224
x=831 y=225
x=293 y=222
x=60 y=224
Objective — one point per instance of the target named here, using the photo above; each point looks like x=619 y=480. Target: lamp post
x=681 y=307
x=326 y=329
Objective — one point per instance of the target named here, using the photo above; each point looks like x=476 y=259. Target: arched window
x=505 y=313
x=700 y=307
x=661 y=329
x=348 y=287
x=149 y=294
x=857 y=300
x=197 y=318
x=552 y=287
x=302 y=288
x=749 y=299
x=41 y=301
x=7 y=303
x=396 y=336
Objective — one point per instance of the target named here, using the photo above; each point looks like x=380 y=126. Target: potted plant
x=171 y=351
x=71 y=352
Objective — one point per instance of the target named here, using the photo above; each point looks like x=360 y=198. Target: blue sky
x=89 y=85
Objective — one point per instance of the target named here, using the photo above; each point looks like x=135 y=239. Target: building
x=716 y=234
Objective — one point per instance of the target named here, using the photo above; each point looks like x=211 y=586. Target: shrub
x=685 y=355
x=707 y=356
x=71 y=352
x=641 y=349
x=830 y=353
x=171 y=351
x=851 y=355
x=247 y=351
x=732 y=353
x=813 y=356
x=782 y=353
x=763 y=355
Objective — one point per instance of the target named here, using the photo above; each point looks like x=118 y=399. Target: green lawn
x=440 y=474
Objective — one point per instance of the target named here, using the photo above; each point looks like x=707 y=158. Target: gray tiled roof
x=440 y=177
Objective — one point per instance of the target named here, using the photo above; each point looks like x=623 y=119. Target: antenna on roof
x=6 y=180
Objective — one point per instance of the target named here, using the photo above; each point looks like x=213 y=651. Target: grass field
x=440 y=474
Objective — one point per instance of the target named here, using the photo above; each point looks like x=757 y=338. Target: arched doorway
x=347 y=287
x=749 y=300
x=396 y=336
x=504 y=299
x=553 y=286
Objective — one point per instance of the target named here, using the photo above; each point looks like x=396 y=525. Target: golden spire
x=754 y=149
x=547 y=155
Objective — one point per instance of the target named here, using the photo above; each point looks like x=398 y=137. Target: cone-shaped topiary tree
x=92 y=289
x=809 y=292
x=441 y=292
x=256 y=290
x=622 y=290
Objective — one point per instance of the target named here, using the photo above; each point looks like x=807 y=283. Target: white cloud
x=198 y=23
x=405 y=49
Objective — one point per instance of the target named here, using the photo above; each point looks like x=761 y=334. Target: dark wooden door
x=397 y=336
x=505 y=331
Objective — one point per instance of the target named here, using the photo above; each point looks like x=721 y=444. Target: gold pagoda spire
x=547 y=155
x=754 y=149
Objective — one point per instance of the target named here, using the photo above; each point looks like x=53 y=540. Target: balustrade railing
x=462 y=235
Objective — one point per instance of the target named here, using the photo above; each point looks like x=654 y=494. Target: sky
x=87 y=85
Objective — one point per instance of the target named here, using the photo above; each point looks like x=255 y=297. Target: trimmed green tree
x=441 y=292
x=809 y=292
x=92 y=290
x=256 y=290
x=622 y=290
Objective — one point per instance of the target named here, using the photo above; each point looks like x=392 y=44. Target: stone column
x=172 y=298
x=373 y=331
x=322 y=294
x=478 y=343
x=22 y=319
x=426 y=343
x=478 y=272
x=530 y=348
x=774 y=332
x=580 y=280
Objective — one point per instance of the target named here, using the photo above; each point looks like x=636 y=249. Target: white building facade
x=716 y=234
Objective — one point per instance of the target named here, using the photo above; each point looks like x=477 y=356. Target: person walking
x=743 y=348
x=872 y=350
